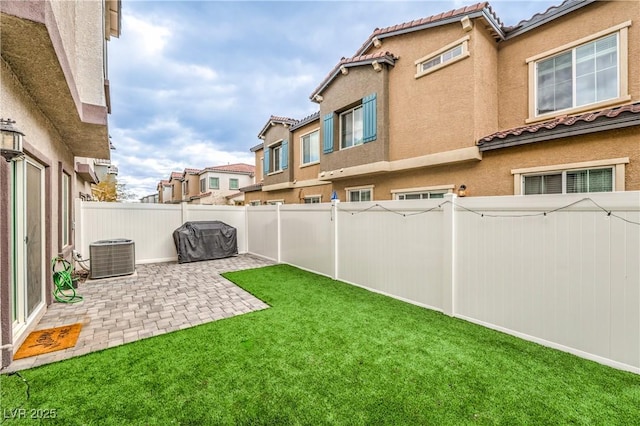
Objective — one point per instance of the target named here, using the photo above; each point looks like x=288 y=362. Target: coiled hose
x=63 y=291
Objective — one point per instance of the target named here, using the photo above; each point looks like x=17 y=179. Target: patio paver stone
x=159 y=298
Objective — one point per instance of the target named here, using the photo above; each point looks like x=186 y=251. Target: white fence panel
x=396 y=252
x=568 y=279
x=231 y=215
x=262 y=230
x=150 y=226
x=307 y=236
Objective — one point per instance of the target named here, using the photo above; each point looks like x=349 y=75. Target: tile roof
x=429 y=21
x=274 y=119
x=192 y=171
x=308 y=119
x=541 y=18
x=385 y=57
x=176 y=175
x=622 y=116
x=233 y=168
x=251 y=188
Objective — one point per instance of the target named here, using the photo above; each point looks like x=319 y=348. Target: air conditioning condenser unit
x=112 y=258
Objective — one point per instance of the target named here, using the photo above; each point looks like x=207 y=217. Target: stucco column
x=6 y=336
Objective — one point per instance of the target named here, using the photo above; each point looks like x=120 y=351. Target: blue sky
x=193 y=82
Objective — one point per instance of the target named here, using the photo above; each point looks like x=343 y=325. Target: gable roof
x=176 y=175
x=273 y=120
x=356 y=61
x=542 y=18
x=191 y=171
x=564 y=126
x=240 y=168
x=308 y=119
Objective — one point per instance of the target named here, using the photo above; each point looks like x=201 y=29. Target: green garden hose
x=63 y=291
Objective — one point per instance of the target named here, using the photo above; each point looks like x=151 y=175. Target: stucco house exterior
x=459 y=102
x=54 y=85
x=213 y=185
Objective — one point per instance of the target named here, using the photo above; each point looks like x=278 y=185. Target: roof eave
x=558 y=132
x=562 y=10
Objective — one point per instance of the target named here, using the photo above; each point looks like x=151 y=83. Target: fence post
x=184 y=214
x=279 y=231
x=449 y=255
x=334 y=215
x=246 y=228
x=78 y=232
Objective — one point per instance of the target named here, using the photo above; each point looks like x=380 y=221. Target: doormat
x=50 y=340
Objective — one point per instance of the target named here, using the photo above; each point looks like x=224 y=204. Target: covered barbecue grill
x=205 y=240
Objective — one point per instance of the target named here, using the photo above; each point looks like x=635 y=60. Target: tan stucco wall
x=274 y=134
x=304 y=172
x=75 y=21
x=513 y=72
x=492 y=175
x=259 y=154
x=432 y=113
x=345 y=92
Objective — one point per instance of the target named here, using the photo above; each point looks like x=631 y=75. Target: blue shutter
x=369 y=118
x=327 y=133
x=266 y=161
x=284 y=159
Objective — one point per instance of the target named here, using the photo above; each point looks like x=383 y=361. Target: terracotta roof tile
x=251 y=188
x=191 y=171
x=367 y=59
x=233 y=168
x=564 y=120
x=550 y=13
x=176 y=175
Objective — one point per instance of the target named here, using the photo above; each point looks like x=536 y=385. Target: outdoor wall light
x=462 y=190
x=10 y=140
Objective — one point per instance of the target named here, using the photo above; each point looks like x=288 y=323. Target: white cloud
x=147 y=39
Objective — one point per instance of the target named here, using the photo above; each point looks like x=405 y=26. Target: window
x=276 y=158
x=420 y=195
x=447 y=55
x=66 y=210
x=185 y=187
x=584 y=75
x=310 y=147
x=357 y=125
x=589 y=73
x=275 y=202
x=360 y=194
x=570 y=182
x=233 y=183
x=214 y=183
x=314 y=199
x=351 y=128
x=203 y=186
x=254 y=203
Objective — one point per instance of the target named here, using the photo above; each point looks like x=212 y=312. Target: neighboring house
x=53 y=81
x=214 y=185
x=175 y=181
x=152 y=198
x=89 y=172
x=165 y=191
x=457 y=102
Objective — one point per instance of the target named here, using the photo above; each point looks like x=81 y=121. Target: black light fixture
x=462 y=190
x=10 y=140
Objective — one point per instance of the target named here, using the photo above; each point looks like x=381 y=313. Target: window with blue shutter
x=327 y=133
x=284 y=159
x=369 y=118
x=266 y=161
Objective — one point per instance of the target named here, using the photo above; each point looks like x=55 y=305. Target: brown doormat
x=50 y=340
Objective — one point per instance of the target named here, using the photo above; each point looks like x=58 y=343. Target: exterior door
x=29 y=243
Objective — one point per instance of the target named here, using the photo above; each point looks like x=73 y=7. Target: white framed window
x=447 y=55
x=275 y=202
x=66 y=209
x=203 y=185
x=586 y=74
x=277 y=158
x=351 y=128
x=185 y=187
x=310 y=148
x=589 y=176
x=420 y=195
x=570 y=182
x=255 y=203
x=214 y=183
x=364 y=193
x=234 y=183
x=312 y=199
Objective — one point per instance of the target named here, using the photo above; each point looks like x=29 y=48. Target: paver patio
x=159 y=298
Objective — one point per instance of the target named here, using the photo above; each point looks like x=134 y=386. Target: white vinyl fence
x=563 y=271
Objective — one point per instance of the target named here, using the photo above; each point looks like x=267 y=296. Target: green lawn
x=327 y=353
